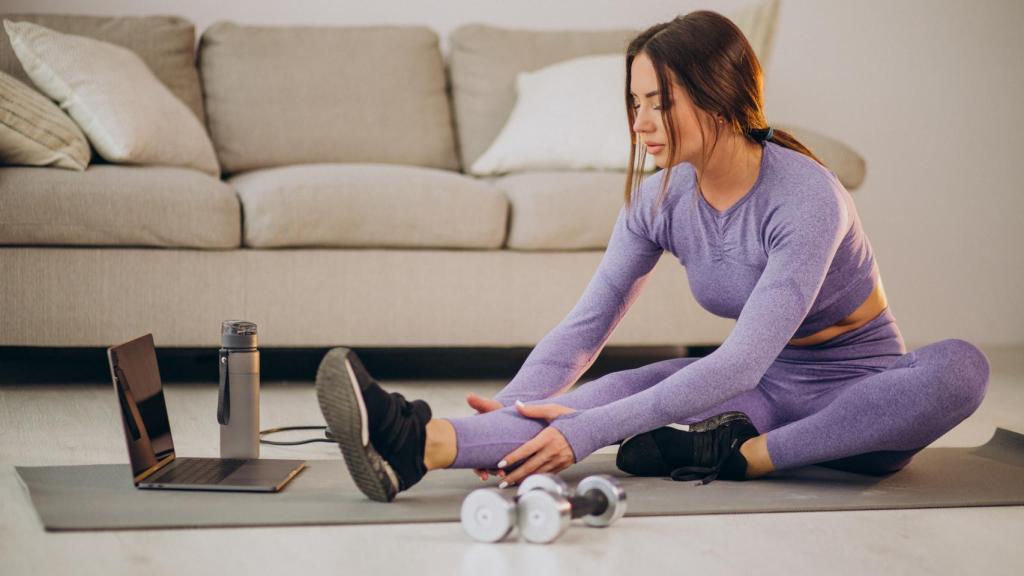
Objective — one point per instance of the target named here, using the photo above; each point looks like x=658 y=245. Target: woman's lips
x=655 y=148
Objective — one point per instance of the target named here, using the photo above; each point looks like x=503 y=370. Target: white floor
x=78 y=424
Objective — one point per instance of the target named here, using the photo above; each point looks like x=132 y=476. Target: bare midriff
x=872 y=306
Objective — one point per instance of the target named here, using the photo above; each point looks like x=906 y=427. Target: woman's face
x=648 y=125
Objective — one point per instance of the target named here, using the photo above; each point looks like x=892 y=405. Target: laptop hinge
x=149 y=471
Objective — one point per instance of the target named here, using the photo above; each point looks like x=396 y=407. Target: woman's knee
x=964 y=370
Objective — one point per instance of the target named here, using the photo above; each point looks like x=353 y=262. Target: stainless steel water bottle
x=238 y=402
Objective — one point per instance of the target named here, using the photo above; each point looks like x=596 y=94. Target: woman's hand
x=548 y=451
x=482 y=405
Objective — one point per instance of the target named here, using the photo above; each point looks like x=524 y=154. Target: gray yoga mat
x=102 y=497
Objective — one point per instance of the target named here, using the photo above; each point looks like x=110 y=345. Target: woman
x=814 y=372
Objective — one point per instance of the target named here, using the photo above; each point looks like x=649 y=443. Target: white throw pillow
x=568 y=116
x=128 y=115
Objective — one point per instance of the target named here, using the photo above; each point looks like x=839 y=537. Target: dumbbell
x=488 y=515
x=543 y=508
x=545 y=514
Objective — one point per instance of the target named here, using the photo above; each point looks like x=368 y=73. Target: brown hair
x=708 y=56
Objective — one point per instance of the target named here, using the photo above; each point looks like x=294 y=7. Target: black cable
x=328 y=436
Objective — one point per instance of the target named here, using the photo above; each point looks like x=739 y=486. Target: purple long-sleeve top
x=786 y=260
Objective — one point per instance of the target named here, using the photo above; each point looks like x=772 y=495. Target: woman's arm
x=566 y=352
x=802 y=238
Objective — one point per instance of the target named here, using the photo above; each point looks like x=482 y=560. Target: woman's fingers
x=531 y=466
x=543 y=411
x=481 y=404
x=474 y=402
x=524 y=451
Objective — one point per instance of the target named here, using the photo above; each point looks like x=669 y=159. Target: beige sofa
x=343 y=215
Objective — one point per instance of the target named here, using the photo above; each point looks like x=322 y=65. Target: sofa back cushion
x=485 y=60
x=129 y=116
x=165 y=43
x=296 y=95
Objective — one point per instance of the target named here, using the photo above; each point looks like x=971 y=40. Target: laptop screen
x=140 y=398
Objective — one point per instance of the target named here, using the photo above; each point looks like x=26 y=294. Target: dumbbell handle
x=594 y=502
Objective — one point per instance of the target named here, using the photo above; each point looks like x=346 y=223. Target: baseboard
x=27 y=365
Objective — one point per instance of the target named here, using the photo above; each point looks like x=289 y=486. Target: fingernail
x=502 y=464
x=503 y=485
x=520 y=403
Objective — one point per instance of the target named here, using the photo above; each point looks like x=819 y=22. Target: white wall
x=929 y=91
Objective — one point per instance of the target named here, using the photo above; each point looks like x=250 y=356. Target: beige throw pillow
x=124 y=110
x=35 y=132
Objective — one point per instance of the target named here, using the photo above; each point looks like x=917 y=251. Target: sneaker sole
x=341 y=403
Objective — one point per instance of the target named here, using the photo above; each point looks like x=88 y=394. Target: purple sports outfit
x=787 y=260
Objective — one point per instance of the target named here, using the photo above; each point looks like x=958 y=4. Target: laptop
x=147 y=431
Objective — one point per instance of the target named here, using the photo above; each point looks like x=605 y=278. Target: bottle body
x=240 y=437
x=238 y=403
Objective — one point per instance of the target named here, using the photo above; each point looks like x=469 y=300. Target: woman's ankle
x=755 y=451
x=440 y=445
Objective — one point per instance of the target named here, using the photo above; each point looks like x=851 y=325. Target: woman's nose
x=642 y=123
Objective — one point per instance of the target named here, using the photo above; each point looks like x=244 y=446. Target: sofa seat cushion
x=369 y=206
x=562 y=210
x=117 y=206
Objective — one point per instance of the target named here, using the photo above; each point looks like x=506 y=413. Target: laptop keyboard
x=196 y=471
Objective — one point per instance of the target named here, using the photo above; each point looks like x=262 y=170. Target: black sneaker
x=709 y=450
x=382 y=436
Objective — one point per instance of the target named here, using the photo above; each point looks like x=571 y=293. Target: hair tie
x=762 y=134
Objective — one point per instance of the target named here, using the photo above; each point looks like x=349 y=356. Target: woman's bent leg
x=483 y=439
x=876 y=424
x=619 y=385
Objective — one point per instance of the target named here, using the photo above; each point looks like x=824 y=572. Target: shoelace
x=705 y=474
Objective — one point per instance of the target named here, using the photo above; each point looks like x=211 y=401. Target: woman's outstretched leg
x=876 y=424
x=389 y=443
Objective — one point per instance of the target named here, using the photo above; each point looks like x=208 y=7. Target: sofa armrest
x=848 y=165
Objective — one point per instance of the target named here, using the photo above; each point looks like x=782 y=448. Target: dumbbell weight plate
x=488 y=515
x=611 y=489
x=543 y=516
x=546 y=482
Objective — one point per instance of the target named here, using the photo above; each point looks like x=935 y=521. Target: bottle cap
x=237 y=334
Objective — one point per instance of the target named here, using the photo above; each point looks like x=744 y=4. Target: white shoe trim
x=365 y=428
x=391 y=473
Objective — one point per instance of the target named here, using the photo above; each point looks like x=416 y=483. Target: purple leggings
x=858 y=402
